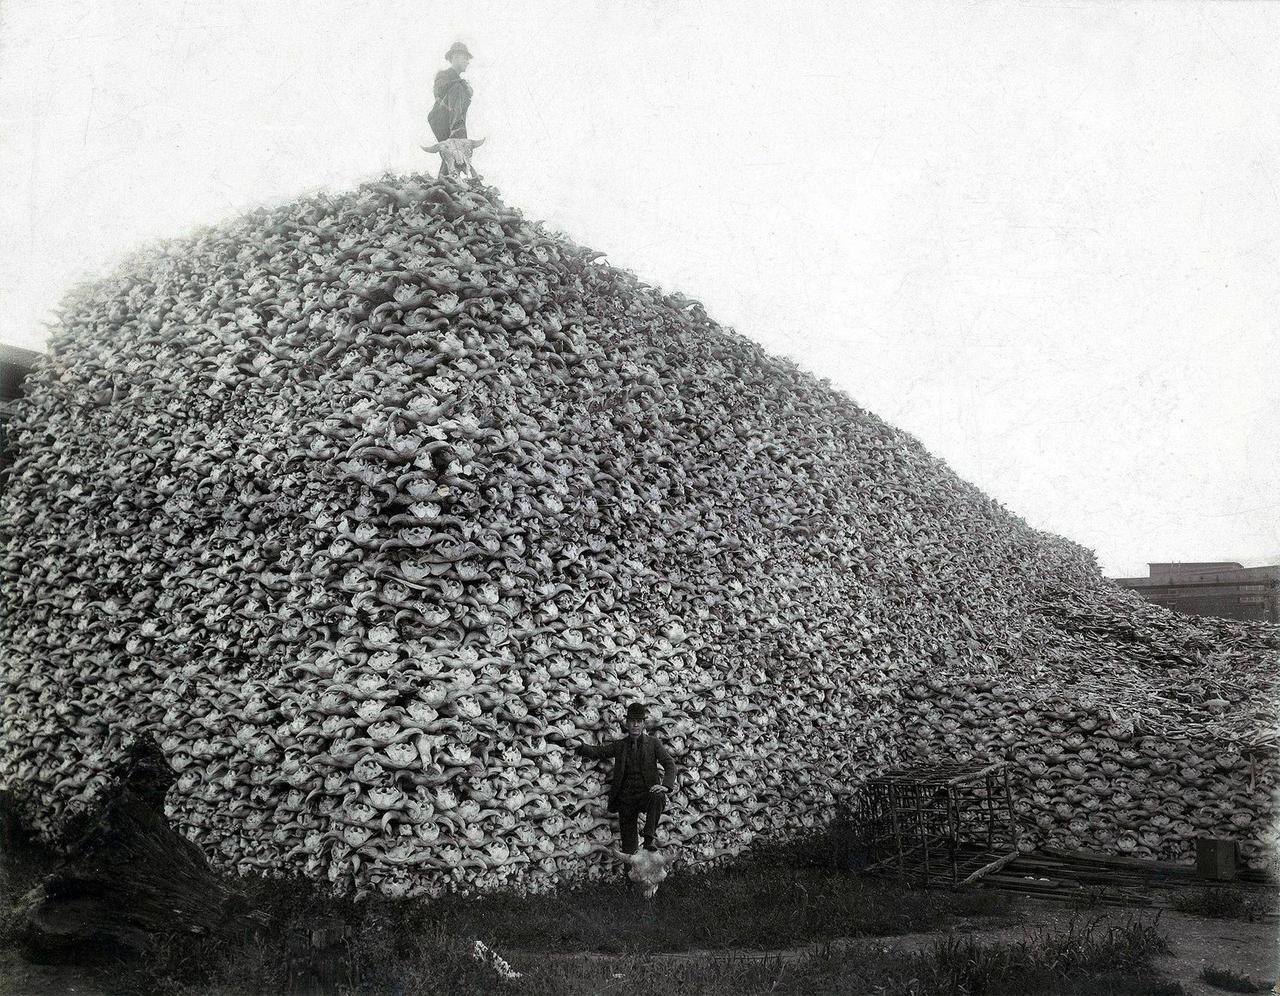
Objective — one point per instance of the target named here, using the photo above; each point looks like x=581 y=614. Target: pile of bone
x=368 y=504
x=1086 y=777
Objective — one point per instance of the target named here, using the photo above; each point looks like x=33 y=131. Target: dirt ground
x=1251 y=949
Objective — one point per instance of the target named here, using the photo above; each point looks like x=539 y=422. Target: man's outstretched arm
x=597 y=751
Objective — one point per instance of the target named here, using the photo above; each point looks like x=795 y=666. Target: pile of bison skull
x=367 y=505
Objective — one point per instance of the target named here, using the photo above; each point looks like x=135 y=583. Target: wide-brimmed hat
x=457 y=48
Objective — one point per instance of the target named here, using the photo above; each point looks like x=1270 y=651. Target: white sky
x=1041 y=237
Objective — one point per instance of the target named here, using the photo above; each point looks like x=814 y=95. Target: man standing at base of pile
x=636 y=787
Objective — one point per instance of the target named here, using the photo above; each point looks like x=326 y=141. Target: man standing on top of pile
x=636 y=787
x=448 y=118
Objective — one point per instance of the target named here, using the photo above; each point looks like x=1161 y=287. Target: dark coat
x=448 y=118
x=652 y=753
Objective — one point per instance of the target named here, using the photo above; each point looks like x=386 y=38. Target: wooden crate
x=939 y=824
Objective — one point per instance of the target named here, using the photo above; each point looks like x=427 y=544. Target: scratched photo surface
x=415 y=387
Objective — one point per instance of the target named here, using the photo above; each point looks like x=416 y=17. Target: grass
x=428 y=942
x=23 y=866
x=1222 y=903
x=775 y=896
x=1089 y=957
x=733 y=907
x=401 y=948
x=1086 y=959
x=1232 y=982
x=779 y=898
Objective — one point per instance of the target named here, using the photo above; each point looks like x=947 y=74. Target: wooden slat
x=990 y=867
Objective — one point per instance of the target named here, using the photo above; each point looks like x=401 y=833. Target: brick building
x=1213 y=588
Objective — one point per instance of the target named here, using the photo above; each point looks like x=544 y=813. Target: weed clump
x=1086 y=957
x=1232 y=982
x=1214 y=901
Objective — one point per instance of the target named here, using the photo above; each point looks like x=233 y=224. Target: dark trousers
x=629 y=810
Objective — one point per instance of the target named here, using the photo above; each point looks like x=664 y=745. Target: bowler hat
x=457 y=48
x=636 y=711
